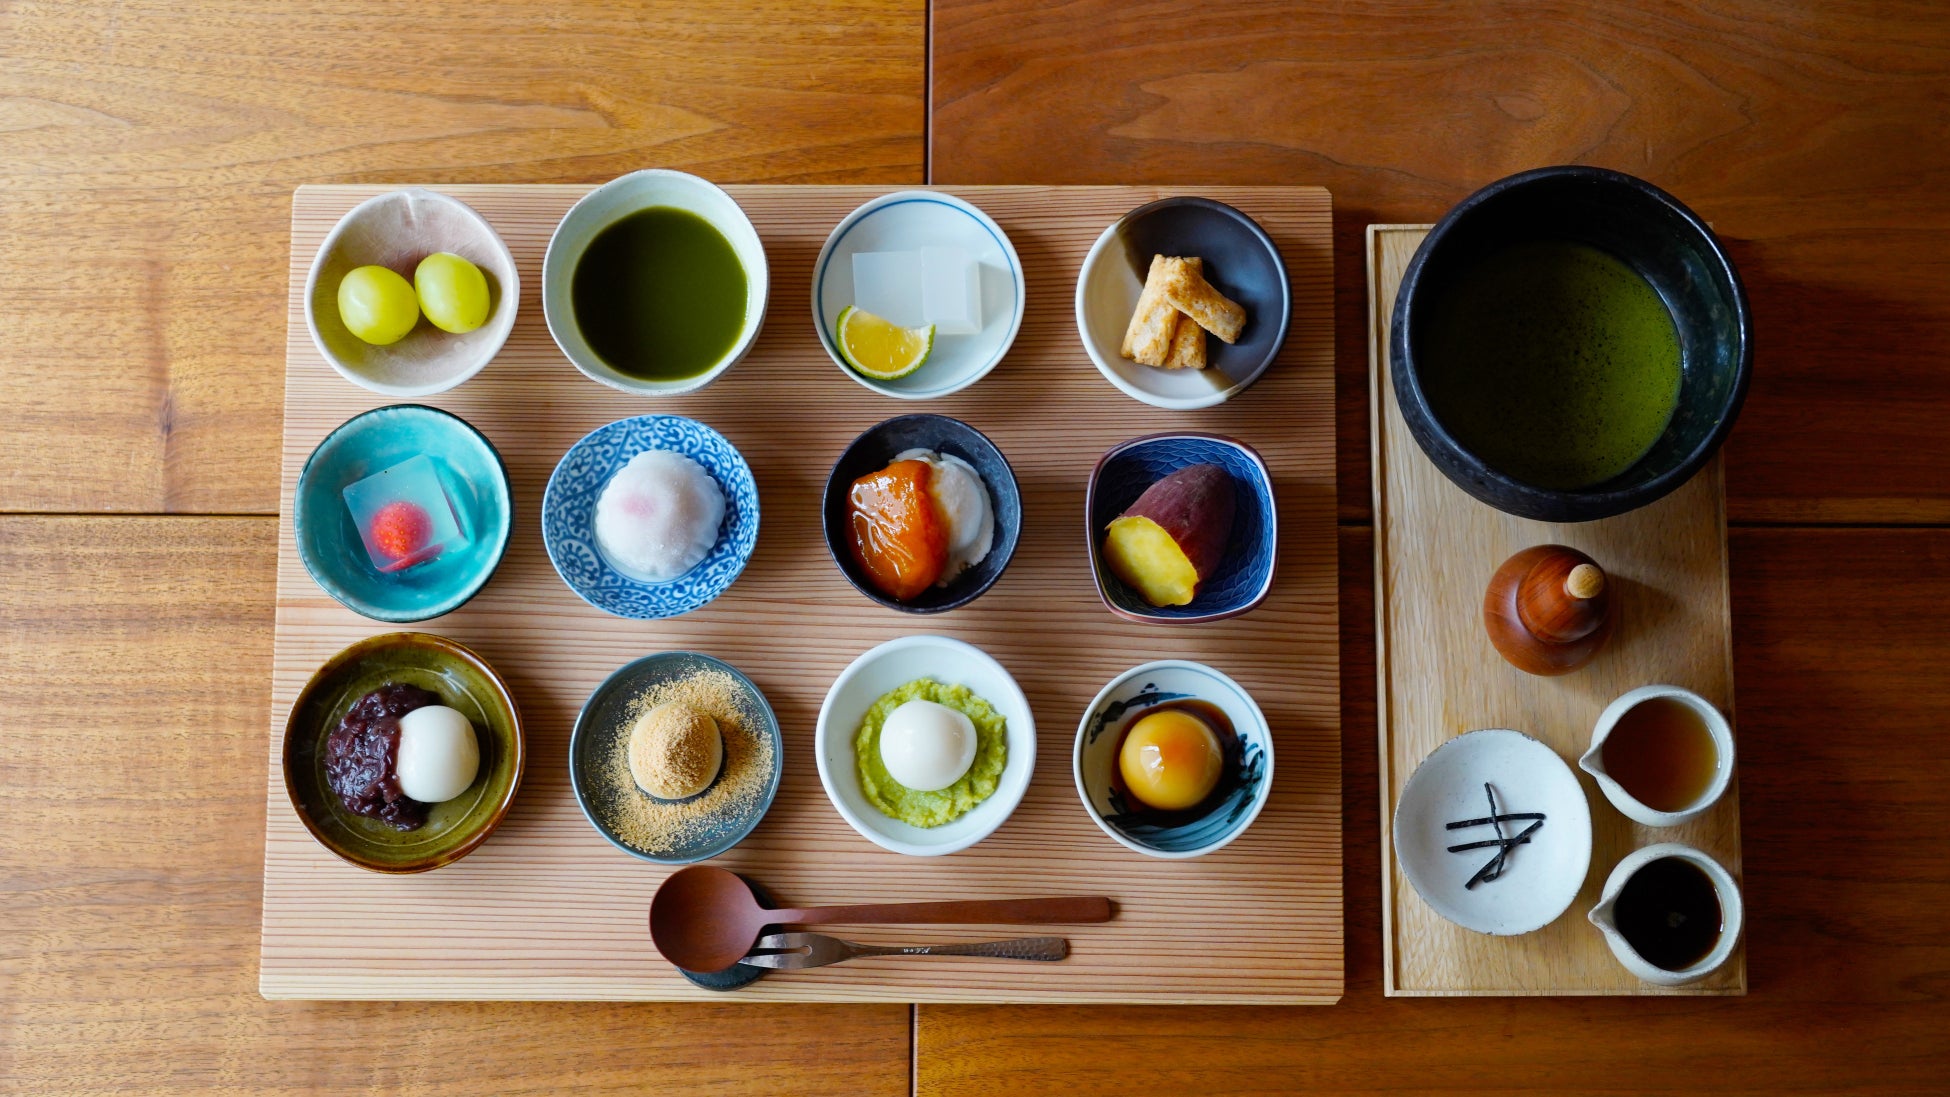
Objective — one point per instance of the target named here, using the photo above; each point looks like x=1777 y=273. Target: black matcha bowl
x=1651 y=232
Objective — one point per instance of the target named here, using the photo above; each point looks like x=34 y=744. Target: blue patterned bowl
x=328 y=542
x=1225 y=815
x=1244 y=576
x=602 y=730
x=569 y=516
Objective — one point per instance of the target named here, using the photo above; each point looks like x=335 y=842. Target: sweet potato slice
x=1173 y=538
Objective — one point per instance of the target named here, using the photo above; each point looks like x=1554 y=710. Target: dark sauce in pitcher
x=1669 y=912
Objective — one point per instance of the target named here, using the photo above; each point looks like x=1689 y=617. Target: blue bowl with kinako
x=470 y=472
x=1209 y=523
x=1570 y=343
x=875 y=449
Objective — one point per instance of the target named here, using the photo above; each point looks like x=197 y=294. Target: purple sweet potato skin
x=1194 y=505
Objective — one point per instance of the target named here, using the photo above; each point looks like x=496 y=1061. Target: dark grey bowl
x=1650 y=231
x=873 y=450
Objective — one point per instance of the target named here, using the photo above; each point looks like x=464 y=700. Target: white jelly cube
x=404 y=515
x=951 y=291
x=888 y=284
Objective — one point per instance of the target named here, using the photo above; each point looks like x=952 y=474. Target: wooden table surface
x=147 y=154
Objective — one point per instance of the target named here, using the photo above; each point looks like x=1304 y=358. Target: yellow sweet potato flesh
x=1147 y=558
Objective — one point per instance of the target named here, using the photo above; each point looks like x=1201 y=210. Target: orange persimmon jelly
x=899 y=539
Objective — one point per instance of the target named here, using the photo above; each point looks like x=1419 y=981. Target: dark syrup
x=1669 y=912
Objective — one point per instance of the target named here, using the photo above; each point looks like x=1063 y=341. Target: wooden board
x=1438 y=676
x=546 y=909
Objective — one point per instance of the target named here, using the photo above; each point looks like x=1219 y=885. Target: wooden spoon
x=706 y=919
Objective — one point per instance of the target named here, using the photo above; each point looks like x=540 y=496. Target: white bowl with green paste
x=947 y=672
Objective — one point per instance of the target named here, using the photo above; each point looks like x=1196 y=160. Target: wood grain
x=1438 y=676
x=138 y=658
x=1839 y=647
x=1808 y=133
x=148 y=150
x=547 y=910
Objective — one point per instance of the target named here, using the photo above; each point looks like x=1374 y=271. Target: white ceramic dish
x=1631 y=806
x=905 y=221
x=396 y=230
x=1732 y=914
x=890 y=666
x=615 y=200
x=1542 y=877
x=1094 y=758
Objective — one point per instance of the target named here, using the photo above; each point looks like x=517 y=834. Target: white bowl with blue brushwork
x=569 y=516
x=1224 y=815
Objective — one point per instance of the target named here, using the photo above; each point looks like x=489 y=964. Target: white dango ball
x=438 y=754
x=927 y=746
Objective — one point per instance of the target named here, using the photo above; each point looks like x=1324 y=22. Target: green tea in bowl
x=660 y=295
x=1554 y=362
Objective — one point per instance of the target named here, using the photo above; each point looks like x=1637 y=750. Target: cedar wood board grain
x=1437 y=676
x=547 y=910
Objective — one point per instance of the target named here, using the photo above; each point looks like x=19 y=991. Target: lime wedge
x=879 y=349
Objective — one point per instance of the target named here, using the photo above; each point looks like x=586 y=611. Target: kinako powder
x=658 y=826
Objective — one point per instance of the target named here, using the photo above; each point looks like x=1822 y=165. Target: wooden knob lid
x=1548 y=609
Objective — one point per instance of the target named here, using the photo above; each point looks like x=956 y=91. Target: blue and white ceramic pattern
x=1126 y=699
x=470 y=470
x=1245 y=575
x=569 y=516
x=603 y=727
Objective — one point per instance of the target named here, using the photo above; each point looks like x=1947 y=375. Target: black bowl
x=1651 y=232
x=874 y=450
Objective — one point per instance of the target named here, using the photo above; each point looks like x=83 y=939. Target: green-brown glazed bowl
x=465 y=682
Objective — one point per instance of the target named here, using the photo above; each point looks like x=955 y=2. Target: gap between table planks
x=545 y=909
x=1437 y=676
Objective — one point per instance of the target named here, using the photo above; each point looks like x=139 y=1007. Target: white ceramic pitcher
x=1732 y=915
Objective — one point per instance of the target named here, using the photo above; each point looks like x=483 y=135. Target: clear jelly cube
x=951 y=291
x=404 y=515
x=888 y=284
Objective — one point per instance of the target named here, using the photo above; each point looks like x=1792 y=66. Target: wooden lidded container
x=1549 y=610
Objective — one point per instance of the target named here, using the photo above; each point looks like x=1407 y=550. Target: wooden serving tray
x=547 y=909
x=1438 y=676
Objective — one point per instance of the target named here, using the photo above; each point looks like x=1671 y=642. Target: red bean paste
x=362 y=756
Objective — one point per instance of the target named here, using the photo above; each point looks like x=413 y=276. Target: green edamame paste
x=932 y=809
x=1554 y=362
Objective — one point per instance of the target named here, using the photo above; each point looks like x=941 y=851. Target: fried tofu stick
x=1187 y=290
x=1148 y=338
x=1187 y=345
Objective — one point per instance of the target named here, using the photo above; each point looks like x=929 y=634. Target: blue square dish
x=569 y=516
x=469 y=469
x=1244 y=576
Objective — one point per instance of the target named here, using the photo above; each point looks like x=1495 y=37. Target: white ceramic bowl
x=615 y=200
x=396 y=230
x=1732 y=914
x=1631 y=806
x=904 y=221
x=1543 y=875
x=1094 y=757
x=890 y=666
x=1240 y=259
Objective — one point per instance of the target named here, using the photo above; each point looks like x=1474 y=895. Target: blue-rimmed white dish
x=1214 y=822
x=1245 y=574
x=908 y=221
x=569 y=513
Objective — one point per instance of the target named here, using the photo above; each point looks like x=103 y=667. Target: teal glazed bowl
x=471 y=471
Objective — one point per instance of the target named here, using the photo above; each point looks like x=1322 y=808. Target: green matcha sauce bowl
x=888 y=667
x=1660 y=241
